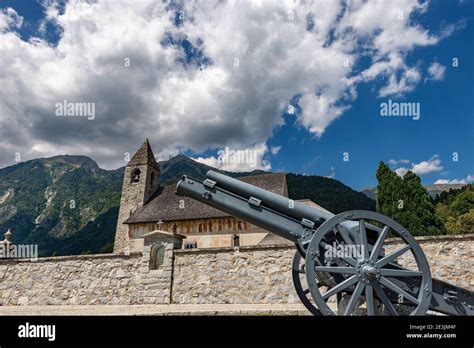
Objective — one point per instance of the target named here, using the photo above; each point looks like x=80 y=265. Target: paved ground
x=174 y=309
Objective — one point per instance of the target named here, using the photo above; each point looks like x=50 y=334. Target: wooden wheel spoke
x=369 y=299
x=379 y=243
x=341 y=286
x=385 y=300
x=384 y=281
x=363 y=239
x=345 y=236
x=389 y=258
x=354 y=298
x=331 y=269
x=399 y=273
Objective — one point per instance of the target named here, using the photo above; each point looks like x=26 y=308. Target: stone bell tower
x=141 y=179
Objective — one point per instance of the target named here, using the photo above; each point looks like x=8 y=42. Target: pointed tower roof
x=144 y=155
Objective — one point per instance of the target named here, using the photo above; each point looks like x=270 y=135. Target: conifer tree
x=406 y=201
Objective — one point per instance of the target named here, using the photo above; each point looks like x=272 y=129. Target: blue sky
x=332 y=117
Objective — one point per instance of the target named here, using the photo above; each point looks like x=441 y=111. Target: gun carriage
x=372 y=281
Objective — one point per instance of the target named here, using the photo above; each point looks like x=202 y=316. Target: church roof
x=144 y=155
x=164 y=204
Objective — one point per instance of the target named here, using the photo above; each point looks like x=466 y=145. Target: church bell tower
x=141 y=179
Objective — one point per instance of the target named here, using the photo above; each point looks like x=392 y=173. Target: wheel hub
x=368 y=271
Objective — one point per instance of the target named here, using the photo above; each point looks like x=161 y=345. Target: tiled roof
x=164 y=204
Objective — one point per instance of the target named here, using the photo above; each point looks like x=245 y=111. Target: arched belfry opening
x=135 y=176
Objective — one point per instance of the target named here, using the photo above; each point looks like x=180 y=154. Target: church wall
x=225 y=240
x=208 y=233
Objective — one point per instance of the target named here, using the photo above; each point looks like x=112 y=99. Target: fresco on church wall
x=195 y=227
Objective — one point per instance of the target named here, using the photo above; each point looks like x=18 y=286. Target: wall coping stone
x=439 y=238
x=421 y=239
x=72 y=258
x=469 y=236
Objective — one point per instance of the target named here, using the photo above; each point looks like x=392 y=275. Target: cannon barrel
x=289 y=207
x=301 y=212
x=240 y=207
x=270 y=211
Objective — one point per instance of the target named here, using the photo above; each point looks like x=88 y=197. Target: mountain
x=54 y=201
x=329 y=193
x=370 y=192
x=433 y=190
x=68 y=205
x=180 y=165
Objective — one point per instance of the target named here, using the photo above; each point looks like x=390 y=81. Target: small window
x=235 y=240
x=152 y=177
x=135 y=177
x=157 y=256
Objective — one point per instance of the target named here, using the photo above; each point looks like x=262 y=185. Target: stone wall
x=240 y=275
x=451 y=258
x=257 y=274
x=86 y=280
x=263 y=274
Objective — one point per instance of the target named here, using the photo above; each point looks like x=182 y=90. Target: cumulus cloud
x=219 y=75
x=9 y=19
x=424 y=167
x=467 y=180
x=436 y=71
x=239 y=160
x=401 y=171
x=333 y=173
x=429 y=166
x=395 y=162
x=275 y=149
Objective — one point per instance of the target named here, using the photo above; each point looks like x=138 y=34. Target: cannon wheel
x=298 y=271
x=367 y=273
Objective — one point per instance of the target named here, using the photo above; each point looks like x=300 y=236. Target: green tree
x=406 y=201
x=456 y=208
x=389 y=191
x=462 y=224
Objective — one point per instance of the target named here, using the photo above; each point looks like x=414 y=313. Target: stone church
x=146 y=207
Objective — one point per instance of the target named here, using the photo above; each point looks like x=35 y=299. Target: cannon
x=341 y=258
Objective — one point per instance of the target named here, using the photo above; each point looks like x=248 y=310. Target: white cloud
x=406 y=83
x=436 y=71
x=239 y=160
x=9 y=19
x=424 y=167
x=395 y=162
x=333 y=173
x=429 y=166
x=183 y=106
x=401 y=171
x=467 y=180
x=275 y=149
